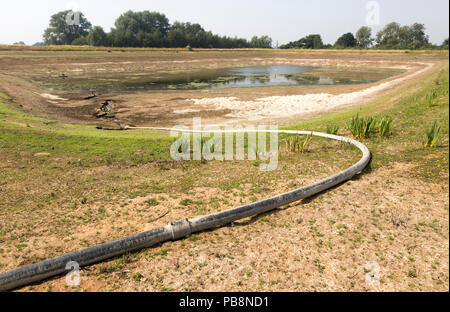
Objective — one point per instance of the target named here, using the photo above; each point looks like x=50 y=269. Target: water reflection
x=240 y=77
x=260 y=76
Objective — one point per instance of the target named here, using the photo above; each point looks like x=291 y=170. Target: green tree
x=364 y=37
x=418 y=35
x=346 y=41
x=184 y=34
x=97 y=37
x=80 y=41
x=144 y=29
x=313 y=41
x=404 y=36
x=263 y=42
x=389 y=35
x=177 y=36
x=136 y=28
x=393 y=35
x=193 y=35
x=65 y=27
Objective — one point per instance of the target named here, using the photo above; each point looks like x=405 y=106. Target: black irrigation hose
x=179 y=229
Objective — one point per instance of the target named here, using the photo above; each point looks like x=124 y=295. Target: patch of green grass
x=24 y=133
x=384 y=126
x=362 y=128
x=90 y=149
x=162 y=252
x=412 y=274
x=431 y=97
x=137 y=277
x=432 y=135
x=186 y=202
x=297 y=143
x=332 y=129
x=152 y=202
x=412 y=118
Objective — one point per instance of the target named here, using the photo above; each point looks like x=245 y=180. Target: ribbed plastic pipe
x=182 y=228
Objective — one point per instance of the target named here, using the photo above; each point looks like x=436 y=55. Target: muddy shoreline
x=22 y=79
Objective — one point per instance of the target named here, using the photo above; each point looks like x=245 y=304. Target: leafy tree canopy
x=263 y=42
x=313 y=41
x=445 y=44
x=407 y=37
x=65 y=27
x=346 y=41
x=134 y=29
x=97 y=37
x=152 y=29
x=364 y=37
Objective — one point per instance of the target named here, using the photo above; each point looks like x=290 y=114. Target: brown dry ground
x=391 y=214
x=24 y=73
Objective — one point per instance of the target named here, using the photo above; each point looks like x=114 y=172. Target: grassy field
x=66 y=186
x=412 y=118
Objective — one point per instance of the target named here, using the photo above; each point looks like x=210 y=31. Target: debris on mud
x=104 y=110
x=93 y=95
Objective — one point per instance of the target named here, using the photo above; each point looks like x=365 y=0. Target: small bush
x=332 y=129
x=305 y=142
x=384 y=126
x=431 y=98
x=137 y=277
x=432 y=135
x=296 y=143
x=291 y=143
x=362 y=127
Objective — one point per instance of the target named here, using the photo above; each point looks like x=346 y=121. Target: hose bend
x=182 y=228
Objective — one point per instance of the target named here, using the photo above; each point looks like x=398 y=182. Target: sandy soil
x=301 y=105
x=323 y=244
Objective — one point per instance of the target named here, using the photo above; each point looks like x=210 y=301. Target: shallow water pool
x=237 y=77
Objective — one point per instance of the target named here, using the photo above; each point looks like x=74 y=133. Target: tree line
x=141 y=29
x=153 y=29
x=392 y=36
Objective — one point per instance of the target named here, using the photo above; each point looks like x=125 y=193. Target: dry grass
x=58 y=195
x=91 y=48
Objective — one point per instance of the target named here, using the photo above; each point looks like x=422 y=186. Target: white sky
x=283 y=20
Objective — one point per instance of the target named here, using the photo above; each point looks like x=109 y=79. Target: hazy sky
x=283 y=20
